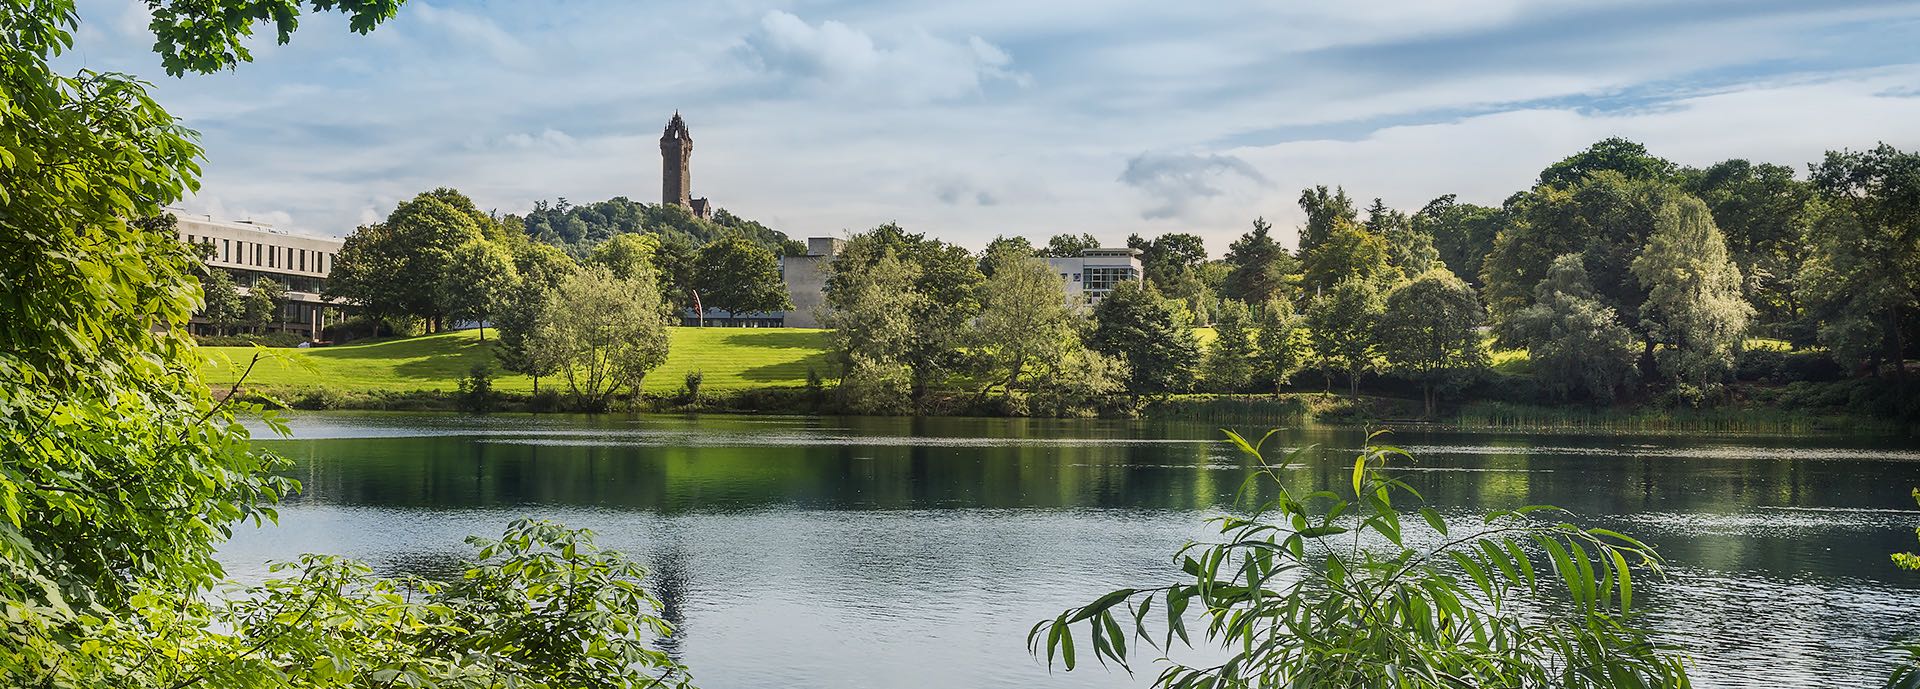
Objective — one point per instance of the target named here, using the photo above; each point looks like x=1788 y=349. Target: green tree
x=627 y=256
x=945 y=287
x=224 y=308
x=1069 y=245
x=1462 y=234
x=263 y=303
x=1324 y=212
x=398 y=267
x=604 y=333
x=1626 y=158
x=1008 y=246
x=1258 y=267
x=119 y=472
x=1575 y=342
x=1346 y=589
x=1762 y=210
x=1282 y=343
x=739 y=276
x=1169 y=255
x=1865 y=270
x=522 y=310
x=1409 y=249
x=477 y=282
x=1430 y=332
x=1230 y=360
x=1025 y=321
x=1341 y=324
x=873 y=330
x=1694 y=306
x=1138 y=327
x=1348 y=253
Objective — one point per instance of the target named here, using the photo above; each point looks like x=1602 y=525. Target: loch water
x=848 y=553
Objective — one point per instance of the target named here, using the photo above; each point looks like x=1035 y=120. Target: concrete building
x=249 y=251
x=1095 y=272
x=806 y=278
x=676 y=169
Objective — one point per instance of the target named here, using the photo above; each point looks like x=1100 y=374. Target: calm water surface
x=850 y=553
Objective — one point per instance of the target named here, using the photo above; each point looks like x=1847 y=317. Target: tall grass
x=1509 y=416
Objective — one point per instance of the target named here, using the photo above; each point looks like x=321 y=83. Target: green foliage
x=1003 y=247
x=1348 y=253
x=224 y=308
x=476 y=390
x=1429 y=332
x=1282 y=343
x=1410 y=249
x=738 y=276
x=580 y=228
x=1606 y=217
x=1342 y=325
x=1620 y=156
x=1577 y=345
x=1230 y=360
x=477 y=282
x=873 y=331
x=1863 y=279
x=1258 y=267
x=1324 y=212
x=1909 y=561
x=1138 y=327
x=1694 y=306
x=1024 y=318
x=1343 y=588
x=409 y=265
x=1068 y=245
x=604 y=333
x=262 y=305
x=938 y=300
x=1763 y=211
x=1462 y=233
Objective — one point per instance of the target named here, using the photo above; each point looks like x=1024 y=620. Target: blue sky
x=967 y=120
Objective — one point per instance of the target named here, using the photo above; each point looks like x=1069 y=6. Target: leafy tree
x=1003 y=245
x=1348 y=253
x=1258 y=267
x=1068 y=245
x=263 y=303
x=1409 y=250
x=1167 y=256
x=1230 y=361
x=738 y=276
x=120 y=472
x=1865 y=271
x=627 y=256
x=1575 y=341
x=1324 y=211
x=1430 y=333
x=873 y=330
x=1282 y=343
x=1341 y=324
x=1024 y=317
x=580 y=228
x=945 y=291
x=224 y=308
x=1693 y=305
x=1762 y=210
x=397 y=268
x=1347 y=590
x=1136 y=326
x=1079 y=381
x=604 y=332
x=1462 y=234
x=522 y=310
x=477 y=282
x=1617 y=155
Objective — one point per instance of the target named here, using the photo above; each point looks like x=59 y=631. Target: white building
x=249 y=251
x=1095 y=272
x=806 y=278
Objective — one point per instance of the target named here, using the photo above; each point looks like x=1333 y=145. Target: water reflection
x=915 y=552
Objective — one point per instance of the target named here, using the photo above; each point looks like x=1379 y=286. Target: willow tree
x=1694 y=305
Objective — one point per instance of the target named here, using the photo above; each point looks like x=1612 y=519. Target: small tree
x=1577 y=344
x=1282 y=343
x=1694 y=304
x=263 y=303
x=477 y=282
x=1024 y=318
x=1258 y=267
x=1430 y=332
x=1347 y=590
x=605 y=334
x=1230 y=361
x=1349 y=252
x=873 y=332
x=739 y=276
x=1341 y=326
x=225 y=309
x=1135 y=325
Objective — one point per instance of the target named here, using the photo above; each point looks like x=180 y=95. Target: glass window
x=256 y=254
x=303 y=259
x=226 y=250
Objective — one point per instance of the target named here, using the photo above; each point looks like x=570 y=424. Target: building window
x=272 y=255
x=303 y=259
x=226 y=250
x=256 y=254
x=1076 y=277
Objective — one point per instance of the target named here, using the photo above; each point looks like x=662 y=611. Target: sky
x=967 y=120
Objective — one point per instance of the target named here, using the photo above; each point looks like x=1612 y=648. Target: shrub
x=476 y=390
x=264 y=340
x=690 y=388
x=1520 y=599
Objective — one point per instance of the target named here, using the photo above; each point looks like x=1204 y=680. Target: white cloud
x=474 y=30
x=915 y=66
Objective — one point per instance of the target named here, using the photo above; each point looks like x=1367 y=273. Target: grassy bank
x=728 y=358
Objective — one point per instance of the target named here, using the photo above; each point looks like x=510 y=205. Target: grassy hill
x=729 y=358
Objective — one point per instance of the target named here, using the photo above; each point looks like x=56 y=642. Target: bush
x=476 y=390
x=1777 y=367
x=1519 y=599
x=264 y=340
x=363 y=327
x=690 y=388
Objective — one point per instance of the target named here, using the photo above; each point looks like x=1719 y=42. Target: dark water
x=848 y=553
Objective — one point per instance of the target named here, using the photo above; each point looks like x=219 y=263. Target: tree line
x=1620 y=274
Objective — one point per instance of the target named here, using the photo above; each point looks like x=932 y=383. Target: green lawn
x=730 y=359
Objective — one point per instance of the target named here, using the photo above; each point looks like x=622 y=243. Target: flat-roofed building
x=249 y=251
x=806 y=278
x=1095 y=272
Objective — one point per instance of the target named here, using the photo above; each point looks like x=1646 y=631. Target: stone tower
x=676 y=157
